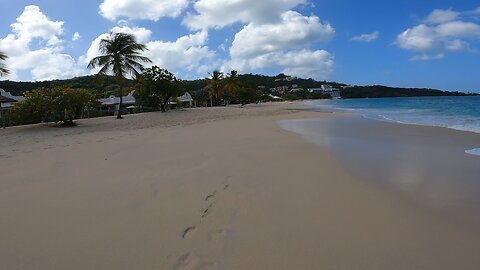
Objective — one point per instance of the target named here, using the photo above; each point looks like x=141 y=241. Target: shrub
x=57 y=104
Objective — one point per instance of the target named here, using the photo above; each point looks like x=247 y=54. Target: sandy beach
x=206 y=188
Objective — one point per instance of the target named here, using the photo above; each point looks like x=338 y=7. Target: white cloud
x=283 y=45
x=305 y=63
x=445 y=32
x=366 y=37
x=419 y=38
x=50 y=64
x=217 y=14
x=427 y=57
x=293 y=31
x=47 y=62
x=186 y=53
x=32 y=23
x=142 y=9
x=459 y=29
x=308 y=64
x=442 y=15
x=76 y=36
x=142 y=35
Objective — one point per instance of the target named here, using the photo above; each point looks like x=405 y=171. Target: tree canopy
x=120 y=55
x=57 y=104
x=157 y=87
x=215 y=87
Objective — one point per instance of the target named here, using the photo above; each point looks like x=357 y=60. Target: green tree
x=3 y=68
x=120 y=55
x=215 y=87
x=248 y=95
x=57 y=104
x=158 y=86
x=232 y=85
x=200 y=97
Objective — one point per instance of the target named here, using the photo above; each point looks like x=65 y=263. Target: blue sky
x=399 y=43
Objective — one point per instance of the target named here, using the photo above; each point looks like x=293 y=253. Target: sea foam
x=460 y=113
x=475 y=151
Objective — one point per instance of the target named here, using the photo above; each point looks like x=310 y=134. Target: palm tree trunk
x=120 y=106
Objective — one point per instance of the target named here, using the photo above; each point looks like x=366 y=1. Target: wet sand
x=427 y=165
x=222 y=188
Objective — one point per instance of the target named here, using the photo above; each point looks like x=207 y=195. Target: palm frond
x=3 y=68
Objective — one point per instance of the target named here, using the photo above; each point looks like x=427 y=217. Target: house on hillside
x=281 y=89
x=326 y=89
x=296 y=89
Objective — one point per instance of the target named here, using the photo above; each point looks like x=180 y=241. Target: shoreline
x=424 y=165
x=475 y=151
x=206 y=189
x=381 y=117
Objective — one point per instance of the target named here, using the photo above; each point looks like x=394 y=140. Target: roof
x=4 y=95
x=6 y=100
x=185 y=97
x=113 y=100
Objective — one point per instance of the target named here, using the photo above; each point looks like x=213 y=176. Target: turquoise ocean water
x=460 y=113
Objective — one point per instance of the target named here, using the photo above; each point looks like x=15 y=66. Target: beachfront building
x=7 y=99
x=326 y=89
x=6 y=102
x=112 y=103
x=186 y=100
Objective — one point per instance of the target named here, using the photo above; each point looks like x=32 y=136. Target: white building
x=7 y=99
x=6 y=102
x=296 y=90
x=326 y=89
x=113 y=102
x=186 y=100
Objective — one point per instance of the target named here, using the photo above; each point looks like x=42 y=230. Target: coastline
x=221 y=188
x=366 y=113
x=433 y=167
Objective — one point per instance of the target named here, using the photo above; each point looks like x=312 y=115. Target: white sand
x=221 y=188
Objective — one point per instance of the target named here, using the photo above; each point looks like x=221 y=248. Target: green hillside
x=265 y=83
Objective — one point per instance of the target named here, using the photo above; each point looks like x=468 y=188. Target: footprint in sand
x=188 y=231
x=187 y=261
x=206 y=212
x=211 y=196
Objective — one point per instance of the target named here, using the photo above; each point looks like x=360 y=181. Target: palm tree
x=232 y=83
x=3 y=68
x=120 y=55
x=214 y=86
